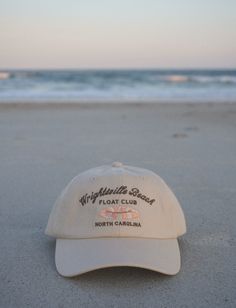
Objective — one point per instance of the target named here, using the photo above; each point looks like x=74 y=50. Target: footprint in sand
x=179 y=135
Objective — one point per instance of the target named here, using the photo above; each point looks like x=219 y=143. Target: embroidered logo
x=119 y=212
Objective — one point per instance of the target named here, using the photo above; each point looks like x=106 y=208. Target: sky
x=117 y=34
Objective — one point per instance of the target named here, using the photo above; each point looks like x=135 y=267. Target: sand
x=193 y=147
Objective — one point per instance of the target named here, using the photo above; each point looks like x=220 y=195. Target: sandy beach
x=191 y=146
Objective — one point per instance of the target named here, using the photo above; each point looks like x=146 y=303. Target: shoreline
x=106 y=104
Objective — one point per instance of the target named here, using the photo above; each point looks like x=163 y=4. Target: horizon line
x=2 y=69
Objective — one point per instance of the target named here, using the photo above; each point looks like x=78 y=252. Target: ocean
x=117 y=86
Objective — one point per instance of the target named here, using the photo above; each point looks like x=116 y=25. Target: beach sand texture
x=192 y=146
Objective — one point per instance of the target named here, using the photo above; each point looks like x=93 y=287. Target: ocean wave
x=227 y=79
x=128 y=78
x=118 y=84
x=214 y=79
x=199 y=79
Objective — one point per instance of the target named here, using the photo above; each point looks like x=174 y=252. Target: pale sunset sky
x=117 y=34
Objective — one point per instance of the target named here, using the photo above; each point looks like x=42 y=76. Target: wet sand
x=192 y=146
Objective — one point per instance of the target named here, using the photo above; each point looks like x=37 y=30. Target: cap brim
x=77 y=256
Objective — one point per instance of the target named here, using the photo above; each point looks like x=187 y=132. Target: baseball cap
x=116 y=215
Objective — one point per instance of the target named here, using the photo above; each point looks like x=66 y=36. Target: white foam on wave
x=203 y=79
x=214 y=79
x=227 y=79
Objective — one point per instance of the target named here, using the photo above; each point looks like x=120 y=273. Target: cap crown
x=116 y=201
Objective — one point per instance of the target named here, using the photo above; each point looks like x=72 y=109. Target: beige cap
x=116 y=215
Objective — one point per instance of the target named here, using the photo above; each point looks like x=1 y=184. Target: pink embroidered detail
x=119 y=212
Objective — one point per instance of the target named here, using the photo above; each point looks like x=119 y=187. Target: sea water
x=117 y=86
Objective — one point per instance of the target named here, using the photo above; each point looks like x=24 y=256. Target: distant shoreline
x=102 y=104
x=109 y=102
